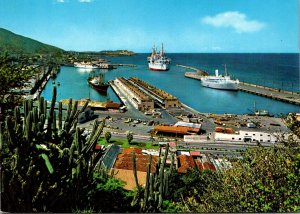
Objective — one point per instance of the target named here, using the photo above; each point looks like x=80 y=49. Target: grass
x=125 y=144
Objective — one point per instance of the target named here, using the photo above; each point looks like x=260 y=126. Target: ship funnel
x=217 y=72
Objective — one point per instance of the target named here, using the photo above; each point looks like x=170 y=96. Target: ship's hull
x=86 y=66
x=233 y=86
x=99 y=88
x=158 y=66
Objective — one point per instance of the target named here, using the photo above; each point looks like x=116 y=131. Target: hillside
x=14 y=43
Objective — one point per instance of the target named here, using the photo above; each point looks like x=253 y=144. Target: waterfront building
x=243 y=136
x=138 y=98
x=164 y=98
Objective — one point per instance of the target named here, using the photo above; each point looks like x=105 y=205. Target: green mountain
x=13 y=43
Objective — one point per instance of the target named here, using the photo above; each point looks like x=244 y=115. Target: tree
x=12 y=75
x=107 y=136
x=129 y=137
x=265 y=180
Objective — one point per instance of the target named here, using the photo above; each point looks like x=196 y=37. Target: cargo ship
x=220 y=82
x=98 y=83
x=158 y=61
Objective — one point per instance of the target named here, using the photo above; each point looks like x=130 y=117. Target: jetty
x=198 y=71
x=193 y=75
x=264 y=91
x=128 y=65
x=273 y=93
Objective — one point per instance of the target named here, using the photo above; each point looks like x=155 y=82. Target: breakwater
x=272 y=93
x=198 y=71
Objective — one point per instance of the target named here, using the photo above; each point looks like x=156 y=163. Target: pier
x=272 y=93
x=198 y=71
x=128 y=65
x=193 y=75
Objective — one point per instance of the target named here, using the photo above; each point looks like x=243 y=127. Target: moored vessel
x=220 y=82
x=158 y=61
x=87 y=65
x=98 y=83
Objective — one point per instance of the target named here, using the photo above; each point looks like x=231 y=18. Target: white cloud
x=85 y=1
x=60 y=1
x=234 y=19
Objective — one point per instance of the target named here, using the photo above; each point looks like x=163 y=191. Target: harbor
x=264 y=91
x=166 y=107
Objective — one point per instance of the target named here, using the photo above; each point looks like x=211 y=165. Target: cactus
x=157 y=183
x=40 y=166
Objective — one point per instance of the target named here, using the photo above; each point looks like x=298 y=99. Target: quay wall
x=272 y=93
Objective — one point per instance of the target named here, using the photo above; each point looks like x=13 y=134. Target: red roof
x=113 y=105
x=184 y=163
x=195 y=153
x=130 y=150
x=98 y=147
x=124 y=161
x=205 y=165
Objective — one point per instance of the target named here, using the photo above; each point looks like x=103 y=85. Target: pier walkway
x=193 y=75
x=272 y=93
x=198 y=71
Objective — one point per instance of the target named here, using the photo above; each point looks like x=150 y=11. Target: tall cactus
x=157 y=183
x=46 y=169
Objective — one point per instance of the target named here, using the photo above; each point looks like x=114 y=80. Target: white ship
x=158 y=61
x=87 y=65
x=220 y=82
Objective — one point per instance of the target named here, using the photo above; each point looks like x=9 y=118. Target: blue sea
x=273 y=70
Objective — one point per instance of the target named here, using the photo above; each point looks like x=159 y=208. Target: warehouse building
x=138 y=98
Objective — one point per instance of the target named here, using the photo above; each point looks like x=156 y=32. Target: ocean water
x=273 y=70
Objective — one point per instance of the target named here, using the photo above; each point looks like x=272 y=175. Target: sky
x=184 y=26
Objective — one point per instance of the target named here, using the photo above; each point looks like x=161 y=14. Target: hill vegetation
x=14 y=43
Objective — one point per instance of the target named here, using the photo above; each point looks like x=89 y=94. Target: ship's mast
x=225 y=70
x=162 y=50
x=153 y=51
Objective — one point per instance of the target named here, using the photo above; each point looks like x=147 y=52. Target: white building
x=243 y=136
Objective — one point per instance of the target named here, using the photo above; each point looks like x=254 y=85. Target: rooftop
x=138 y=92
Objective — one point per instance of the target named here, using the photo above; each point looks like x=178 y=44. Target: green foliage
x=129 y=137
x=19 y=44
x=107 y=136
x=46 y=168
x=265 y=180
x=110 y=196
x=47 y=162
x=11 y=76
x=151 y=198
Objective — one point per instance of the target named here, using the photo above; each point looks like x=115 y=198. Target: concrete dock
x=272 y=93
x=193 y=75
x=198 y=71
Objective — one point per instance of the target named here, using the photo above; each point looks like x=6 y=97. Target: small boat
x=158 y=61
x=98 y=83
x=260 y=112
